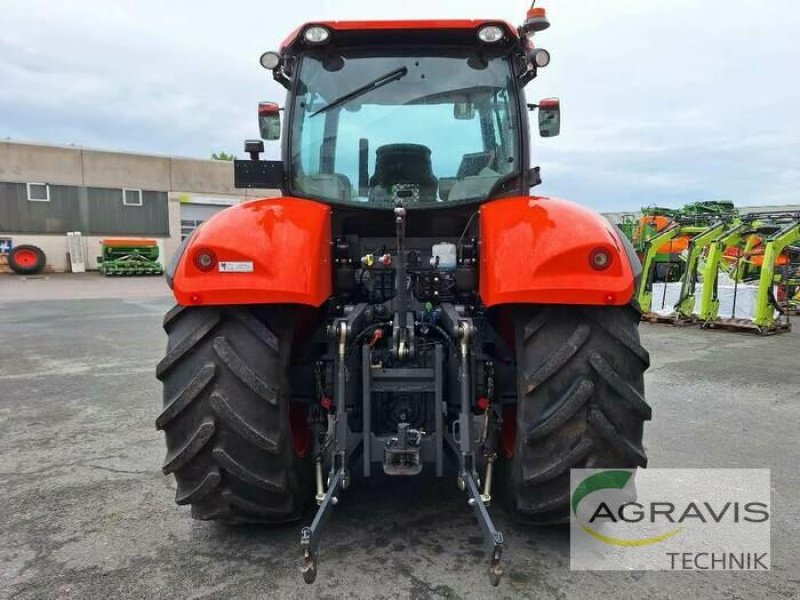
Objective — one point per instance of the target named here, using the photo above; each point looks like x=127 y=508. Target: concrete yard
x=86 y=512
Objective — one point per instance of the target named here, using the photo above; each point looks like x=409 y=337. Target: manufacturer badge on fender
x=244 y=266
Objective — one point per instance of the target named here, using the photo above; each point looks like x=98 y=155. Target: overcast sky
x=663 y=102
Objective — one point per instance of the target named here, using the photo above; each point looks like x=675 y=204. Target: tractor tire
x=226 y=414
x=580 y=402
x=26 y=259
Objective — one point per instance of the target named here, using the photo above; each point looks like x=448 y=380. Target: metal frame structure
x=765 y=234
x=341 y=442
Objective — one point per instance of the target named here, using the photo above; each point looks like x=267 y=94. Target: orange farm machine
x=407 y=304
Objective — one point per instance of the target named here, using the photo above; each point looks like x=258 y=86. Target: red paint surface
x=288 y=240
x=24 y=257
x=301 y=432
x=536 y=250
x=399 y=25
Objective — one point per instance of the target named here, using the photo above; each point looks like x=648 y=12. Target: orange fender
x=537 y=250
x=280 y=249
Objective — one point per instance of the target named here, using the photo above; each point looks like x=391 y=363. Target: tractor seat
x=403 y=172
x=333 y=185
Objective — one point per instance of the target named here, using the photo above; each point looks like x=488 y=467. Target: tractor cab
x=426 y=113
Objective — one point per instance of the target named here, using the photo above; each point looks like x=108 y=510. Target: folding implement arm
x=709 y=301
x=686 y=302
x=645 y=292
x=765 y=307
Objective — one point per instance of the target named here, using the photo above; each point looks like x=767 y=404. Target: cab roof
x=452 y=31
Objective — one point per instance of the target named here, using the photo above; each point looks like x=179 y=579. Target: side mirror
x=549 y=117
x=269 y=120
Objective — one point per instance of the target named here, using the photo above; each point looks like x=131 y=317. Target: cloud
x=663 y=102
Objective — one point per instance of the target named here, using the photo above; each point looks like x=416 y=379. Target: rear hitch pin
x=486 y=496
x=320 y=488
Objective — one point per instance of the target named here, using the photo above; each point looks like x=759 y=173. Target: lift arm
x=709 y=303
x=686 y=301
x=775 y=244
x=645 y=292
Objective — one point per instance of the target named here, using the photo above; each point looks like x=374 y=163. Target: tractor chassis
x=409 y=446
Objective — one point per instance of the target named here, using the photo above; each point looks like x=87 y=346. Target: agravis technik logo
x=673 y=519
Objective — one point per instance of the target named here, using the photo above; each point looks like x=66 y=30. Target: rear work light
x=540 y=57
x=270 y=60
x=490 y=34
x=205 y=259
x=600 y=259
x=316 y=34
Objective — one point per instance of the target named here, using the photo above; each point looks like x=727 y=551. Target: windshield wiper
x=372 y=85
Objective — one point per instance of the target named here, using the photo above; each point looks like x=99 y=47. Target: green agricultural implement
x=709 y=298
x=790 y=280
x=746 y=266
x=627 y=225
x=686 y=305
x=695 y=227
x=708 y=208
x=762 y=240
x=656 y=219
x=124 y=257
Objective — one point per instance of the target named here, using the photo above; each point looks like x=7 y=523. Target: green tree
x=222 y=156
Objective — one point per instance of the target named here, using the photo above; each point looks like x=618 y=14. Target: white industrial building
x=47 y=191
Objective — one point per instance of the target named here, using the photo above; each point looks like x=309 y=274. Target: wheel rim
x=25 y=258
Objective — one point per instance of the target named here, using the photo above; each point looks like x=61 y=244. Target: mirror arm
x=526 y=77
x=279 y=76
x=534 y=176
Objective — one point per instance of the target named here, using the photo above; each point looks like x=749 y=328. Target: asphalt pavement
x=86 y=512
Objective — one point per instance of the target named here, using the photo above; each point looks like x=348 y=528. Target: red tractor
x=406 y=304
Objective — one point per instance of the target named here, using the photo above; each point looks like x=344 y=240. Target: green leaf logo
x=606 y=480
x=599 y=481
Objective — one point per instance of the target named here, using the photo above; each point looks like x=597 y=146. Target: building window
x=132 y=197
x=187 y=227
x=38 y=192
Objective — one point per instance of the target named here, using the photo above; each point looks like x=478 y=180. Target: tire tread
x=580 y=403
x=225 y=414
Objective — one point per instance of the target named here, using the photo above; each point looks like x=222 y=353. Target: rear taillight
x=205 y=259
x=600 y=259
